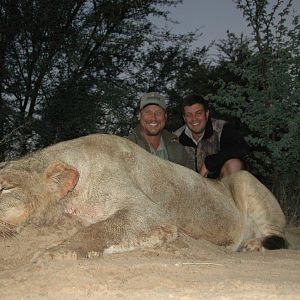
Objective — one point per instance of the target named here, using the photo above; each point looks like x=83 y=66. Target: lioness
x=126 y=198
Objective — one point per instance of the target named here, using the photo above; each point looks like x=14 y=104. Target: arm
x=232 y=145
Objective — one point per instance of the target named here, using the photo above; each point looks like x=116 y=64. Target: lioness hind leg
x=264 y=222
x=271 y=242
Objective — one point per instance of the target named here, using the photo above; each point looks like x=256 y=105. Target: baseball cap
x=153 y=98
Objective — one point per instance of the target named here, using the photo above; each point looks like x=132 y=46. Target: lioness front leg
x=119 y=233
x=89 y=241
x=92 y=240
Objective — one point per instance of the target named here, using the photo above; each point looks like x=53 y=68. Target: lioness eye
x=6 y=191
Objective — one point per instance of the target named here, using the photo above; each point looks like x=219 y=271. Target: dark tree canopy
x=70 y=68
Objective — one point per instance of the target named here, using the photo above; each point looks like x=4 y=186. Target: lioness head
x=26 y=194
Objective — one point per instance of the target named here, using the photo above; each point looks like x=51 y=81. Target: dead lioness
x=126 y=198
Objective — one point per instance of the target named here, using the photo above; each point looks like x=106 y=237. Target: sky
x=212 y=17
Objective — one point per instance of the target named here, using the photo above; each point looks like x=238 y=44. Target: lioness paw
x=271 y=242
x=252 y=245
x=94 y=254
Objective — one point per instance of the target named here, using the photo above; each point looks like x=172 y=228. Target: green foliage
x=57 y=56
x=172 y=67
x=266 y=98
x=70 y=113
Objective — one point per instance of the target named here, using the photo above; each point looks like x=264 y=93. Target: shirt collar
x=188 y=132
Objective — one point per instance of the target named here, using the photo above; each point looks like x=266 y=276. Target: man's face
x=195 y=118
x=152 y=119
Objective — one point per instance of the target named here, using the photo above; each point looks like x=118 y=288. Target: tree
x=267 y=101
x=8 y=28
x=57 y=47
x=166 y=66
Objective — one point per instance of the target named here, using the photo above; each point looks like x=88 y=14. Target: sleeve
x=178 y=154
x=232 y=145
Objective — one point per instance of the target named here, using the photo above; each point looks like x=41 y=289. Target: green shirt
x=161 y=151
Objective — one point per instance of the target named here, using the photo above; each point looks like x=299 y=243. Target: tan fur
x=126 y=198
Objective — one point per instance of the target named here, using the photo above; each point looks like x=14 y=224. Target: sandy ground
x=185 y=269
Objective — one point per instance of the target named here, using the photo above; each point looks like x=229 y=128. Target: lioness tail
x=273 y=242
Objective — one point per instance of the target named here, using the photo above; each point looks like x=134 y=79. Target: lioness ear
x=60 y=178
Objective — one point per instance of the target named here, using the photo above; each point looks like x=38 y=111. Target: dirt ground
x=185 y=269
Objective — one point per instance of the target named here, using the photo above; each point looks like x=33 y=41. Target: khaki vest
x=210 y=145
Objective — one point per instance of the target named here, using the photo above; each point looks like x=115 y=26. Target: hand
x=203 y=171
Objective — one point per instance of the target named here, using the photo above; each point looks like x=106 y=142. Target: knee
x=231 y=166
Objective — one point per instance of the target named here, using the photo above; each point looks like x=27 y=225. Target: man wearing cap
x=151 y=135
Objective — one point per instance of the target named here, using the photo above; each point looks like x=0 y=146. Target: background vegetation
x=70 y=68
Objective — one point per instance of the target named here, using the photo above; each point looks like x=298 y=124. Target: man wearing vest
x=216 y=146
x=151 y=135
